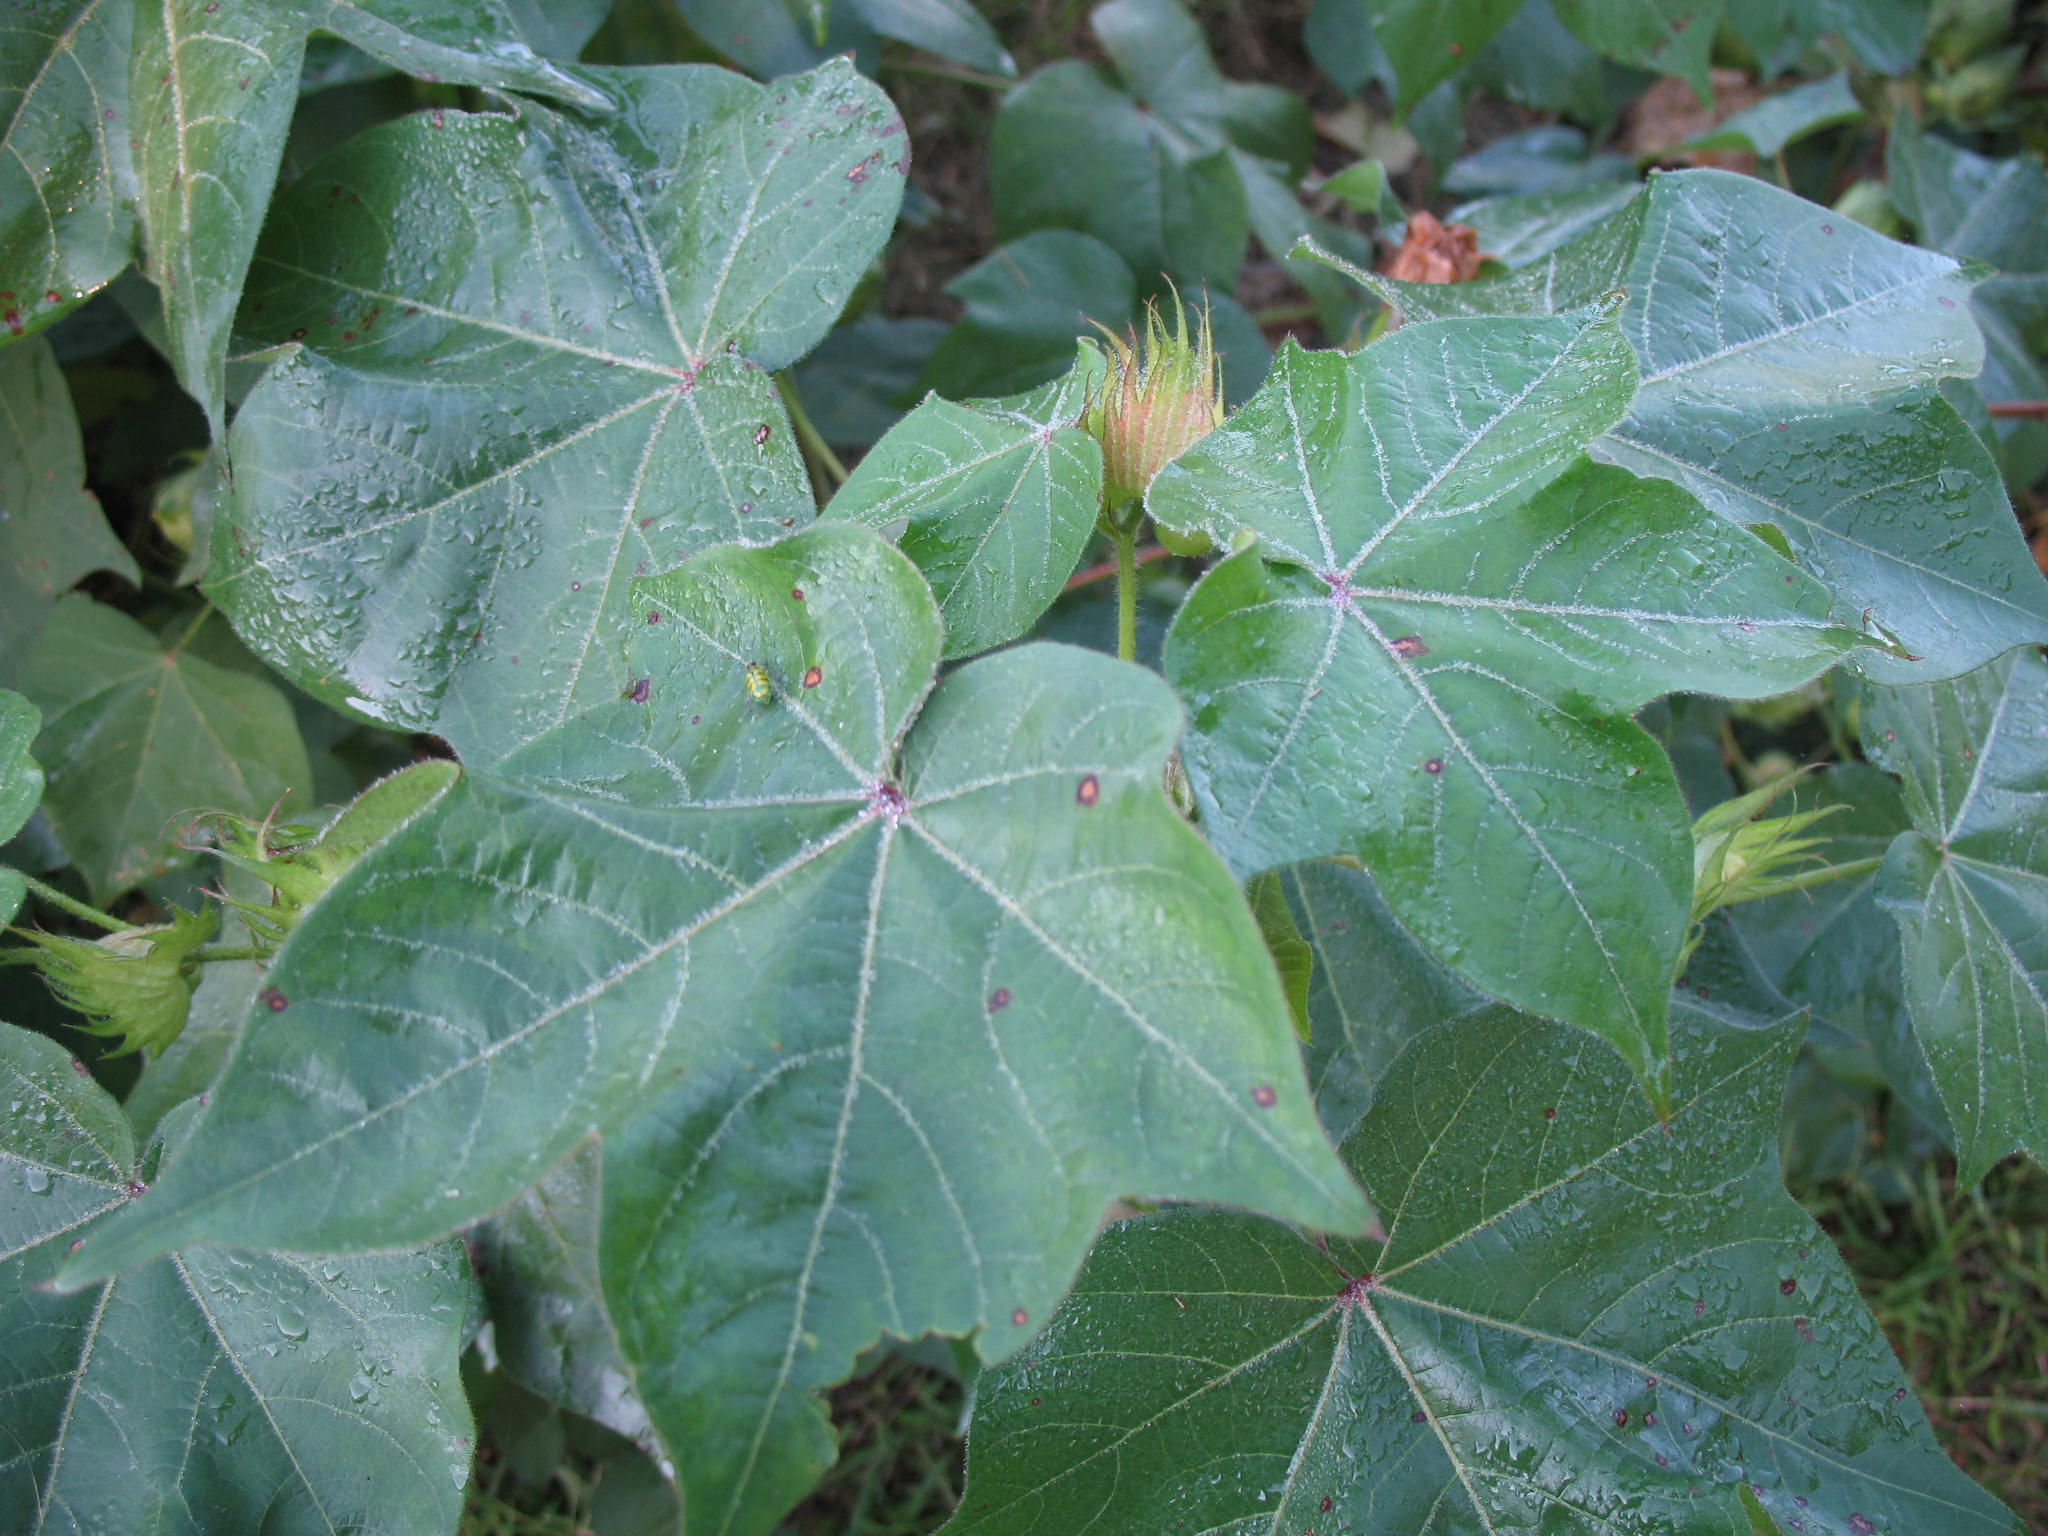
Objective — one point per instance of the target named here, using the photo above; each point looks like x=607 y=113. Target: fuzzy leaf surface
x=535 y=367
x=1790 y=363
x=52 y=531
x=1435 y=669
x=208 y=1391
x=138 y=732
x=1000 y=497
x=1579 y=1321
x=1968 y=886
x=806 y=961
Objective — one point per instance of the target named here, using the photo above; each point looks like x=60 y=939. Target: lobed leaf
x=807 y=948
x=138 y=732
x=535 y=368
x=1435 y=672
x=52 y=532
x=208 y=1391
x=1968 y=887
x=996 y=499
x=1580 y=1318
x=1987 y=210
x=1790 y=363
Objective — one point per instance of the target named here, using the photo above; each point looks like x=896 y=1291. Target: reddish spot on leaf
x=1550 y=1114
x=761 y=434
x=1418 y=1417
x=1787 y=1286
x=272 y=999
x=999 y=999
x=654 y=615
x=52 y=296
x=641 y=688
x=1264 y=1097
x=80 y=1067
x=1827 y=229
x=1408 y=647
x=1019 y=1318
x=1649 y=1421
x=1621 y=1418
x=1324 y=1507
x=813 y=676
x=1089 y=792
x=348 y=335
x=1699 y=1309
x=1434 y=765
x=1861 y=1525
x=1804 y=1328
x=797 y=593
x=299 y=333
x=1649 y=1381
x=1948 y=303
x=134 y=1187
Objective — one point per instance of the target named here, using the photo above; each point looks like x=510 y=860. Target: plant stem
x=210 y=954
x=1088 y=575
x=2019 y=410
x=75 y=907
x=813 y=443
x=1283 y=314
x=1126 y=540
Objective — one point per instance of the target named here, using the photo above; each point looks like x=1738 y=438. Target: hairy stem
x=1126 y=540
x=75 y=907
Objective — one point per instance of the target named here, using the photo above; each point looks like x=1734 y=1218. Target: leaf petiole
x=72 y=905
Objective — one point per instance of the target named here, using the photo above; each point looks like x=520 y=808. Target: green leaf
x=1669 y=37
x=1992 y=211
x=1790 y=363
x=1437 y=673
x=1581 y=1319
x=405 y=543
x=538 y=1258
x=1427 y=41
x=210 y=1391
x=1162 y=205
x=138 y=733
x=66 y=175
x=1292 y=957
x=1834 y=950
x=178 y=112
x=863 y=377
x=952 y=29
x=1025 y=303
x=51 y=528
x=1968 y=886
x=21 y=787
x=213 y=94
x=1373 y=988
x=1169 y=153
x=1785 y=117
x=806 y=964
x=1000 y=498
